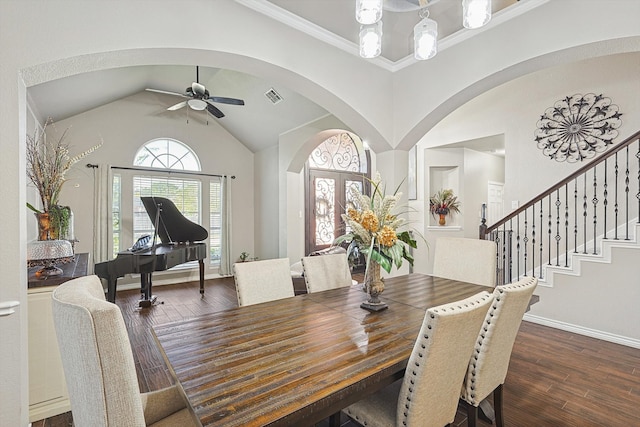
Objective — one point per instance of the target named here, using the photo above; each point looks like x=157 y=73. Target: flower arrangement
x=444 y=202
x=374 y=228
x=48 y=161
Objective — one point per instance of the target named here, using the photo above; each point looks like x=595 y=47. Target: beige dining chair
x=489 y=364
x=98 y=364
x=429 y=392
x=262 y=281
x=325 y=272
x=467 y=260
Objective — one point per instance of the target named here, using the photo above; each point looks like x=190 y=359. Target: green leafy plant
x=444 y=202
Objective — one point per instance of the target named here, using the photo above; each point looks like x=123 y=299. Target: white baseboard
x=593 y=333
x=48 y=409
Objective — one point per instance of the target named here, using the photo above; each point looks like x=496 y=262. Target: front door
x=329 y=197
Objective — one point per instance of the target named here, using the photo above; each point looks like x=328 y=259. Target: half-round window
x=340 y=153
x=166 y=153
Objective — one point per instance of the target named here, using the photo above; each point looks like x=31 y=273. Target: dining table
x=299 y=360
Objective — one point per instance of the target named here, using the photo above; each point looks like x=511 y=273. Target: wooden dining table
x=296 y=361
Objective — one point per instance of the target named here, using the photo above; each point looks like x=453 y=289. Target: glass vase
x=46 y=230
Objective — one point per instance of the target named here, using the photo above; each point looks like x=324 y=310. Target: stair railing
x=594 y=203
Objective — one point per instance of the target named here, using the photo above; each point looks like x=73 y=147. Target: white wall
x=604 y=306
x=266 y=207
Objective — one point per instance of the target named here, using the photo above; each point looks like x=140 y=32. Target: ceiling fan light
x=368 y=11
x=197 y=104
x=425 y=39
x=371 y=40
x=476 y=13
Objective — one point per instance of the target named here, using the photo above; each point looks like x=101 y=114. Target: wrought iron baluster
x=638 y=192
x=525 y=240
x=558 y=238
x=566 y=224
x=584 y=215
x=615 y=205
x=605 y=202
x=504 y=254
x=626 y=190
x=549 y=224
x=575 y=215
x=595 y=214
x=510 y=264
x=518 y=246
x=533 y=239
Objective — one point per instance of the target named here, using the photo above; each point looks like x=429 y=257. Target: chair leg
x=334 y=420
x=497 y=406
x=472 y=415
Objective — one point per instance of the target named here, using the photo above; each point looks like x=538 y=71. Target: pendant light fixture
x=371 y=40
x=476 y=13
x=368 y=11
x=425 y=37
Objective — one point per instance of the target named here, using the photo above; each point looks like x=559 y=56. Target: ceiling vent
x=273 y=96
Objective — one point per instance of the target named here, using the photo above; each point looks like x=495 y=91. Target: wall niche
x=440 y=178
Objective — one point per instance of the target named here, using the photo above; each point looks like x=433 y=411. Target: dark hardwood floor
x=555 y=378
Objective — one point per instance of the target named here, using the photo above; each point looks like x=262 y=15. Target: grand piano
x=181 y=242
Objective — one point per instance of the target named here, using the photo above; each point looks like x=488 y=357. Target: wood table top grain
x=296 y=361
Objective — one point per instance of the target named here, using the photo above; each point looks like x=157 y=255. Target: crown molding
x=294 y=21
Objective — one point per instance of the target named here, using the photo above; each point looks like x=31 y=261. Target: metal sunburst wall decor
x=577 y=127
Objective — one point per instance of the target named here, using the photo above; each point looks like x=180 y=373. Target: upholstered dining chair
x=326 y=272
x=467 y=260
x=429 y=392
x=262 y=281
x=99 y=367
x=489 y=363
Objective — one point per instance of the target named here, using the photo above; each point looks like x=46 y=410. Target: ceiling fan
x=199 y=98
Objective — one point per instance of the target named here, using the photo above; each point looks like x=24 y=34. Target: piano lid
x=173 y=227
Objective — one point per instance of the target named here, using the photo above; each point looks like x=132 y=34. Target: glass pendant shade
x=476 y=13
x=425 y=39
x=368 y=11
x=371 y=40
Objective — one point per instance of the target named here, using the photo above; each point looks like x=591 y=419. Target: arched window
x=167 y=153
x=339 y=152
x=157 y=172
x=335 y=165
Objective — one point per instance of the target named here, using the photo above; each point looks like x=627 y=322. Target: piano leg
x=111 y=289
x=201 y=265
x=147 y=299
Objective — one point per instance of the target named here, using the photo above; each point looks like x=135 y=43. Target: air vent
x=273 y=96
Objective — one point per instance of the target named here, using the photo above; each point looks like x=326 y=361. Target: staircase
x=581 y=239
x=603 y=255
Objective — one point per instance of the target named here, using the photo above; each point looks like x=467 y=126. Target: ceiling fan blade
x=214 y=111
x=223 y=100
x=166 y=92
x=178 y=106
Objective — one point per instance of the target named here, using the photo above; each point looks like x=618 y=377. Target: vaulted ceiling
x=332 y=21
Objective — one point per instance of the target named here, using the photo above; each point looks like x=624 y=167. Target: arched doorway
x=337 y=164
